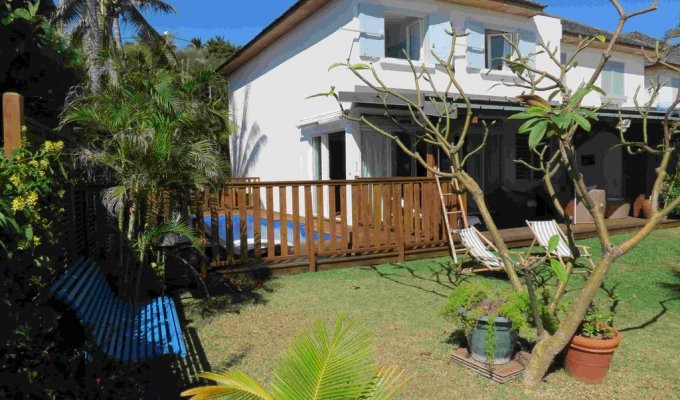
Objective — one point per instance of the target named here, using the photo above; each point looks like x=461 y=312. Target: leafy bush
x=470 y=301
x=32 y=349
x=27 y=183
x=671 y=190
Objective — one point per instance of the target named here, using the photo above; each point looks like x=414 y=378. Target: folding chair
x=480 y=249
x=544 y=230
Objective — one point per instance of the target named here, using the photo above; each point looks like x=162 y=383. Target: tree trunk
x=545 y=350
x=478 y=197
x=117 y=36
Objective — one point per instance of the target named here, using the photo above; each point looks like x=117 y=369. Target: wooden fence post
x=12 y=120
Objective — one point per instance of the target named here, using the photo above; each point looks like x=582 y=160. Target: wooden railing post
x=12 y=120
x=309 y=222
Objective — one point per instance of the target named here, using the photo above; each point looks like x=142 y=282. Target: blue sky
x=240 y=21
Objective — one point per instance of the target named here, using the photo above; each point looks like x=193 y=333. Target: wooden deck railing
x=304 y=221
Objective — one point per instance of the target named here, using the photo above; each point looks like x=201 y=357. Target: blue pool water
x=250 y=224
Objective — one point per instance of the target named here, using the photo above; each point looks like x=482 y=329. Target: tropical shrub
x=27 y=181
x=320 y=365
x=33 y=351
x=671 y=190
x=468 y=302
x=156 y=134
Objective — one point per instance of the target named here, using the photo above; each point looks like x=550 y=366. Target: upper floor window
x=498 y=47
x=403 y=35
x=612 y=78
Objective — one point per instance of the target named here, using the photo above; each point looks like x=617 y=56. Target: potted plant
x=590 y=352
x=490 y=319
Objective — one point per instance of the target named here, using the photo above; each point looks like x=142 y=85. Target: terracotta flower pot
x=589 y=359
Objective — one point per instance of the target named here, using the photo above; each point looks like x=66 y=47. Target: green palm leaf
x=387 y=383
x=323 y=366
x=233 y=385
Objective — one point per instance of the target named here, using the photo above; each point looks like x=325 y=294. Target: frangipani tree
x=552 y=129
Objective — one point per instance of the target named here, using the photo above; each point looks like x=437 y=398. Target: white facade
x=269 y=92
x=670 y=81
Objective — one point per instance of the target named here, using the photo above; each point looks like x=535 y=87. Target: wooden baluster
x=408 y=212
x=377 y=210
x=387 y=213
x=243 y=219
x=332 y=190
x=343 y=217
x=319 y=218
x=418 y=213
x=366 y=214
x=309 y=221
x=284 y=220
x=356 y=215
x=296 y=220
x=257 y=224
x=271 y=246
x=399 y=223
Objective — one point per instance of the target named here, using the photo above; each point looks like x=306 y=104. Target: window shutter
x=439 y=41
x=527 y=45
x=476 y=47
x=372 y=26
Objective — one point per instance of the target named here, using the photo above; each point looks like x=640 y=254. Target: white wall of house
x=269 y=93
x=670 y=81
x=633 y=77
x=271 y=89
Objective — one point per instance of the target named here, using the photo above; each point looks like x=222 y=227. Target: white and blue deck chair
x=125 y=332
x=544 y=230
x=479 y=248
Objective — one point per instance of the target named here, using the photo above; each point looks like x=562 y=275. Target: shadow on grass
x=229 y=294
x=444 y=277
x=670 y=286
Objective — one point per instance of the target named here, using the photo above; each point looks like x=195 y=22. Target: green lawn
x=400 y=304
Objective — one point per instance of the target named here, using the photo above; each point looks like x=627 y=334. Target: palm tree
x=197 y=43
x=152 y=133
x=96 y=25
x=319 y=366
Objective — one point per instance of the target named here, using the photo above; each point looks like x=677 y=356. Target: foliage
x=26 y=177
x=94 y=25
x=320 y=365
x=546 y=121
x=671 y=189
x=469 y=302
x=32 y=348
x=209 y=55
x=157 y=132
x=44 y=31
x=597 y=325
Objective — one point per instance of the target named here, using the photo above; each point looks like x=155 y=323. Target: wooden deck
x=317 y=225
x=522 y=237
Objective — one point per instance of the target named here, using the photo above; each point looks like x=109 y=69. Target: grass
x=400 y=304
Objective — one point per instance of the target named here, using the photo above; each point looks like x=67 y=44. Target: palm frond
x=327 y=366
x=233 y=385
x=388 y=382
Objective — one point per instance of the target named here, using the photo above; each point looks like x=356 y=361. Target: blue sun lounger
x=124 y=332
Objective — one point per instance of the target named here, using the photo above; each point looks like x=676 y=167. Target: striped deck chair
x=479 y=248
x=544 y=230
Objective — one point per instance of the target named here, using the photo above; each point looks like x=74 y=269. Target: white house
x=285 y=136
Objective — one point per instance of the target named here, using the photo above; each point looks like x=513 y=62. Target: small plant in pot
x=490 y=318
x=590 y=352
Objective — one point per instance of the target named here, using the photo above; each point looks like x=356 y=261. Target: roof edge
x=305 y=8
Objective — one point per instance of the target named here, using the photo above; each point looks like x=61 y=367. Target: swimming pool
x=250 y=224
